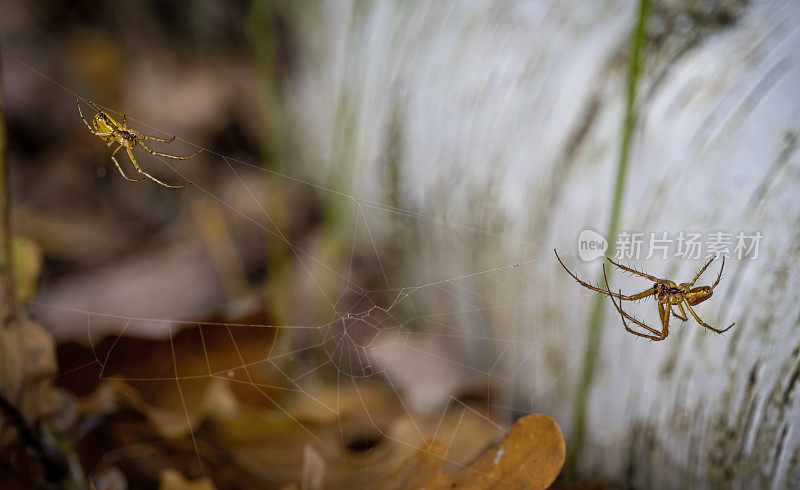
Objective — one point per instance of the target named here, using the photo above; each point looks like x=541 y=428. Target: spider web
x=478 y=327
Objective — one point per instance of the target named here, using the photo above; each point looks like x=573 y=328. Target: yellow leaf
x=27 y=266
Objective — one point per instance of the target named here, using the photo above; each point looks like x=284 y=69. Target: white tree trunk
x=506 y=117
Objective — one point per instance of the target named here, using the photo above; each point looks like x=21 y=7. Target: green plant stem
x=9 y=306
x=265 y=62
x=596 y=318
x=278 y=253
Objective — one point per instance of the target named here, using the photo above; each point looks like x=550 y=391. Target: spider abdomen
x=698 y=295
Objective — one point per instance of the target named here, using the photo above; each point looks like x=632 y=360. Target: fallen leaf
x=426 y=464
x=173 y=480
x=530 y=456
x=27 y=365
x=169 y=422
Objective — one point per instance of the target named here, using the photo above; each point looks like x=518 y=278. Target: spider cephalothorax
x=107 y=129
x=667 y=295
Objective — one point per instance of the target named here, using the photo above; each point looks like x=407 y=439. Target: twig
x=9 y=284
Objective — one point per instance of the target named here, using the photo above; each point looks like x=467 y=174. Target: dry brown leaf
x=174 y=480
x=468 y=434
x=168 y=422
x=27 y=350
x=530 y=456
x=27 y=365
x=426 y=464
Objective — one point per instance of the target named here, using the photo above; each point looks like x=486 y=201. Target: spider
x=110 y=131
x=667 y=295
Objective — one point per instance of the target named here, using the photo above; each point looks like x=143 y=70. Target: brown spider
x=667 y=295
x=110 y=131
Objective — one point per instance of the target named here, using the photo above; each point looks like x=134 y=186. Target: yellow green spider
x=110 y=131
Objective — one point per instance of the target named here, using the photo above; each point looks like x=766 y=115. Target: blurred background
x=357 y=286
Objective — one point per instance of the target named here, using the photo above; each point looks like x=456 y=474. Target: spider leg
x=697 y=276
x=635 y=297
x=96 y=107
x=80 y=113
x=719 y=276
x=153 y=138
x=701 y=322
x=124 y=121
x=138 y=169
x=150 y=150
x=656 y=334
x=114 y=159
x=675 y=313
x=664 y=312
x=634 y=271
